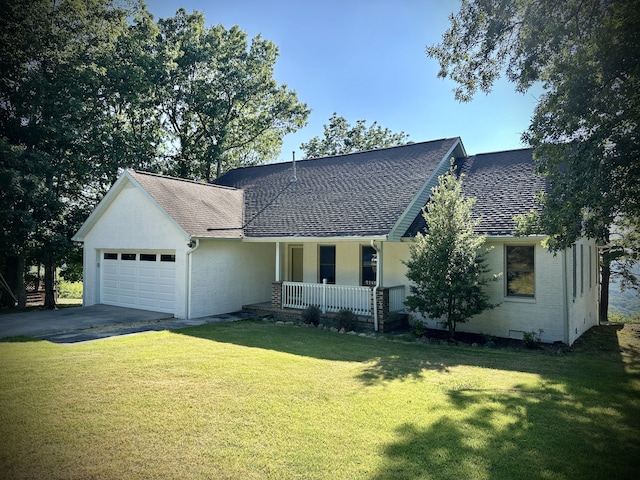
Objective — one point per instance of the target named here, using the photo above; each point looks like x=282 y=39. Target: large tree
x=56 y=110
x=89 y=88
x=340 y=137
x=220 y=104
x=447 y=264
x=585 y=129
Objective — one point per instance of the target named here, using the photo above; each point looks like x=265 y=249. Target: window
x=127 y=256
x=148 y=257
x=581 y=270
x=328 y=263
x=590 y=267
x=368 y=269
x=110 y=256
x=520 y=271
x=575 y=270
x=167 y=258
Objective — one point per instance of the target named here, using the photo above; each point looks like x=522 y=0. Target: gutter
x=565 y=303
x=194 y=243
x=375 y=289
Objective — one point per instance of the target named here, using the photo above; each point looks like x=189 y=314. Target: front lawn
x=257 y=400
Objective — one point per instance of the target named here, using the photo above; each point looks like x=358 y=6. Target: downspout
x=193 y=247
x=565 y=299
x=375 y=289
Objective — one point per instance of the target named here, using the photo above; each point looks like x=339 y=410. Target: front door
x=296 y=264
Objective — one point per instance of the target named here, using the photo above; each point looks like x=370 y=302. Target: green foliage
x=90 y=88
x=312 y=314
x=222 y=105
x=347 y=319
x=417 y=327
x=619 y=317
x=531 y=339
x=586 y=55
x=70 y=290
x=340 y=138
x=447 y=265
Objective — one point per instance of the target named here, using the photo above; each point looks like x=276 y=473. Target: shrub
x=70 y=290
x=347 y=319
x=531 y=339
x=418 y=327
x=311 y=315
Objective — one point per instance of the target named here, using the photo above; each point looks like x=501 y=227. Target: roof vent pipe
x=294 y=179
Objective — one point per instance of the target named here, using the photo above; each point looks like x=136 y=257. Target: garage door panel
x=141 y=283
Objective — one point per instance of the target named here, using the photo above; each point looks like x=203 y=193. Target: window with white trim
x=520 y=271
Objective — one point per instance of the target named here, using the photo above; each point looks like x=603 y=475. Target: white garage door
x=144 y=280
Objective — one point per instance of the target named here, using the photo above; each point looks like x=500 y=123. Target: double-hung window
x=520 y=271
x=328 y=263
x=368 y=266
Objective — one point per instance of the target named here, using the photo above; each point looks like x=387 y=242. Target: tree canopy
x=586 y=56
x=447 y=264
x=340 y=138
x=220 y=105
x=90 y=88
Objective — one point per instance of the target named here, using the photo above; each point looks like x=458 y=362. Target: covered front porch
x=381 y=307
x=363 y=275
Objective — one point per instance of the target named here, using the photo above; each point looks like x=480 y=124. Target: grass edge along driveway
x=258 y=400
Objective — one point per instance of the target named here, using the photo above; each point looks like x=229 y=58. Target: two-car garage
x=139 y=279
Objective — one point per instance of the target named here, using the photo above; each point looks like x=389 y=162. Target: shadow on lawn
x=581 y=421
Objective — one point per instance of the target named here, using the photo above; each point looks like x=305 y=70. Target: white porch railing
x=396 y=299
x=329 y=298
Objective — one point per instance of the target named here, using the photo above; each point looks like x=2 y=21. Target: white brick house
x=267 y=234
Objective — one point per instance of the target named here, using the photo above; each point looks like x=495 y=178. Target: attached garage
x=139 y=279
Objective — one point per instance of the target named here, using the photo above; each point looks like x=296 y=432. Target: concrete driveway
x=79 y=324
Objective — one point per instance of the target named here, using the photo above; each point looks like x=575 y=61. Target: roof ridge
x=408 y=144
x=185 y=180
x=501 y=151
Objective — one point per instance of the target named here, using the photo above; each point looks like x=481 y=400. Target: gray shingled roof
x=202 y=210
x=359 y=194
x=504 y=184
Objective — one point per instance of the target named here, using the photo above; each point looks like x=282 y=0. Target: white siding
x=552 y=309
x=133 y=222
x=228 y=274
x=582 y=309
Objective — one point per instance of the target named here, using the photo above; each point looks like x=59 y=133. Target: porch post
x=276 y=294
x=278 y=263
x=382 y=301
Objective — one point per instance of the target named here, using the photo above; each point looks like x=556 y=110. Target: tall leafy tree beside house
x=89 y=88
x=586 y=127
x=220 y=104
x=56 y=111
x=340 y=137
x=447 y=263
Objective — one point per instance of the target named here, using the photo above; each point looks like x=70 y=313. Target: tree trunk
x=605 y=274
x=10 y=274
x=49 y=283
x=21 y=289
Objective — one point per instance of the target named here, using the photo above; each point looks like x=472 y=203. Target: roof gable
x=504 y=184
x=200 y=210
x=359 y=194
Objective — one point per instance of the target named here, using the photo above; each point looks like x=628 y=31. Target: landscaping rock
x=334 y=329
x=279 y=322
x=490 y=344
x=342 y=330
x=351 y=332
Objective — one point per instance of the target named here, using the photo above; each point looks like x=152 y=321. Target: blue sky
x=365 y=59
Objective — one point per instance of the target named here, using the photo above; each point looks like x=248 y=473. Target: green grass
x=69 y=290
x=253 y=400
